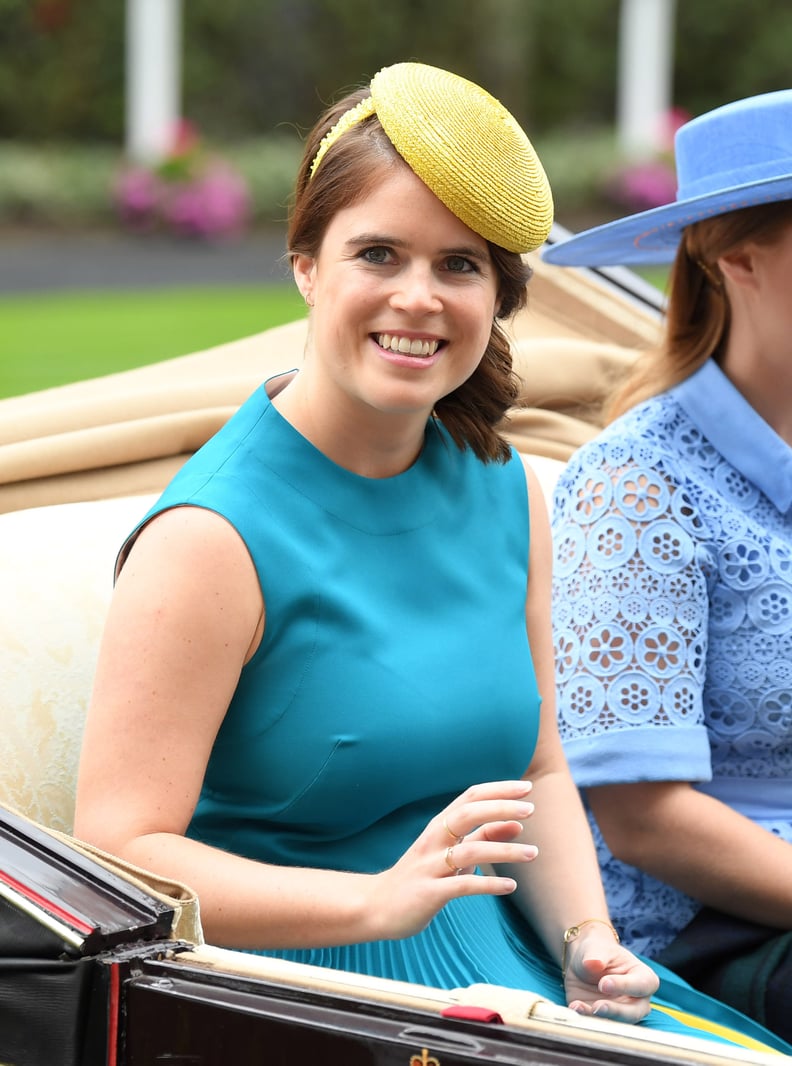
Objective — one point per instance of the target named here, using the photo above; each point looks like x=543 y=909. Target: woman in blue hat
x=673 y=576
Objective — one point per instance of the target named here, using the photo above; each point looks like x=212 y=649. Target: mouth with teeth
x=414 y=346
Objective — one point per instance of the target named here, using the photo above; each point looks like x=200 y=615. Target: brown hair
x=472 y=412
x=698 y=314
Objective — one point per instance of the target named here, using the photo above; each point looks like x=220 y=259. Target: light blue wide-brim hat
x=736 y=156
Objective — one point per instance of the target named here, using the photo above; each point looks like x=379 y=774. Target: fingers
x=478 y=829
x=623 y=994
x=480 y=826
x=450 y=861
x=457 y=838
x=639 y=982
x=483 y=822
x=495 y=801
x=497 y=831
x=623 y=975
x=466 y=856
x=617 y=1010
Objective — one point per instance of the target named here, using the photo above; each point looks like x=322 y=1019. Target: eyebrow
x=367 y=239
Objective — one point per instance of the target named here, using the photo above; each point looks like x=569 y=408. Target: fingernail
x=531 y=851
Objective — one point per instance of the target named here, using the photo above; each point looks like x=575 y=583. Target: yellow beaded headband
x=465 y=146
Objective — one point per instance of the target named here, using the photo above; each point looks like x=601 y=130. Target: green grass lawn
x=657 y=276
x=52 y=339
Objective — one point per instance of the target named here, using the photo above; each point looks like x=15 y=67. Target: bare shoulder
x=191 y=565
x=195 y=540
x=177 y=528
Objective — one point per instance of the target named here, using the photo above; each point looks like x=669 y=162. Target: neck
x=370 y=443
x=766 y=383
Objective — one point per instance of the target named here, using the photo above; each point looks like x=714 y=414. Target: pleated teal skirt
x=483 y=939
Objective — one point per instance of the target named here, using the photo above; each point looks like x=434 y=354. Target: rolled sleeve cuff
x=650 y=753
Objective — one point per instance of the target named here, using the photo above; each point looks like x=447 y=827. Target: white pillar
x=646 y=60
x=153 y=77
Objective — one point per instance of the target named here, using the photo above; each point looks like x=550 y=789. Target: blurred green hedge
x=64 y=184
x=68 y=185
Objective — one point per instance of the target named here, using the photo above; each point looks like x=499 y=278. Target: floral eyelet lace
x=672 y=610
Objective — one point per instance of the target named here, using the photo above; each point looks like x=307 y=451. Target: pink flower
x=190 y=192
x=672 y=120
x=213 y=205
x=186 y=138
x=138 y=195
x=644 y=185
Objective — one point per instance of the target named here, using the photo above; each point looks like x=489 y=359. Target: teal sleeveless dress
x=393 y=673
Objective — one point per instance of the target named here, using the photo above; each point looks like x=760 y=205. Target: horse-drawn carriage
x=102 y=963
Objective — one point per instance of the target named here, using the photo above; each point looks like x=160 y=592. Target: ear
x=739 y=266
x=304 y=270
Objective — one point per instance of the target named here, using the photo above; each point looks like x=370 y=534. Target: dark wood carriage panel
x=176 y=1013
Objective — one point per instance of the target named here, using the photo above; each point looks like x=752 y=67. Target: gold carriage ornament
x=424 y=1059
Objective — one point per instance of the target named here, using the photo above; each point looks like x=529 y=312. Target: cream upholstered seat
x=56 y=571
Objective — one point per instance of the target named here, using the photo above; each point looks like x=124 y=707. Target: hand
x=605 y=979
x=478 y=828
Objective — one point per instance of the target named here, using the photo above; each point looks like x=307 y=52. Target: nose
x=417 y=291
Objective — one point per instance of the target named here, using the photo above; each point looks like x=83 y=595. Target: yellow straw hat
x=465 y=146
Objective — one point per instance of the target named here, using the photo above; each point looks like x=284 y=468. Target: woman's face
x=403 y=296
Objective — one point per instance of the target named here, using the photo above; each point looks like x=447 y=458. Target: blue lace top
x=673 y=619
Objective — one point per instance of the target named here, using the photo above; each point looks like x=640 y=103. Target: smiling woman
x=402 y=310
x=325 y=694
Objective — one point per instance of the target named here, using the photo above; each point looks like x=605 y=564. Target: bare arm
x=563 y=887
x=700 y=846
x=558 y=825
x=186 y=614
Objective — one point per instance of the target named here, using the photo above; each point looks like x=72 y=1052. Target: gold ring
x=457 y=839
x=449 y=858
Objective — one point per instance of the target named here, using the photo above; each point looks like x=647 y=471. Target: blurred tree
x=284 y=60
x=61 y=69
x=727 y=48
x=253 y=67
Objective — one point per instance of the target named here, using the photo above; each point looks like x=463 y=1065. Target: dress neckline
x=382 y=506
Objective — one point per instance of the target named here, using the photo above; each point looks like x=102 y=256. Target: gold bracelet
x=574 y=931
